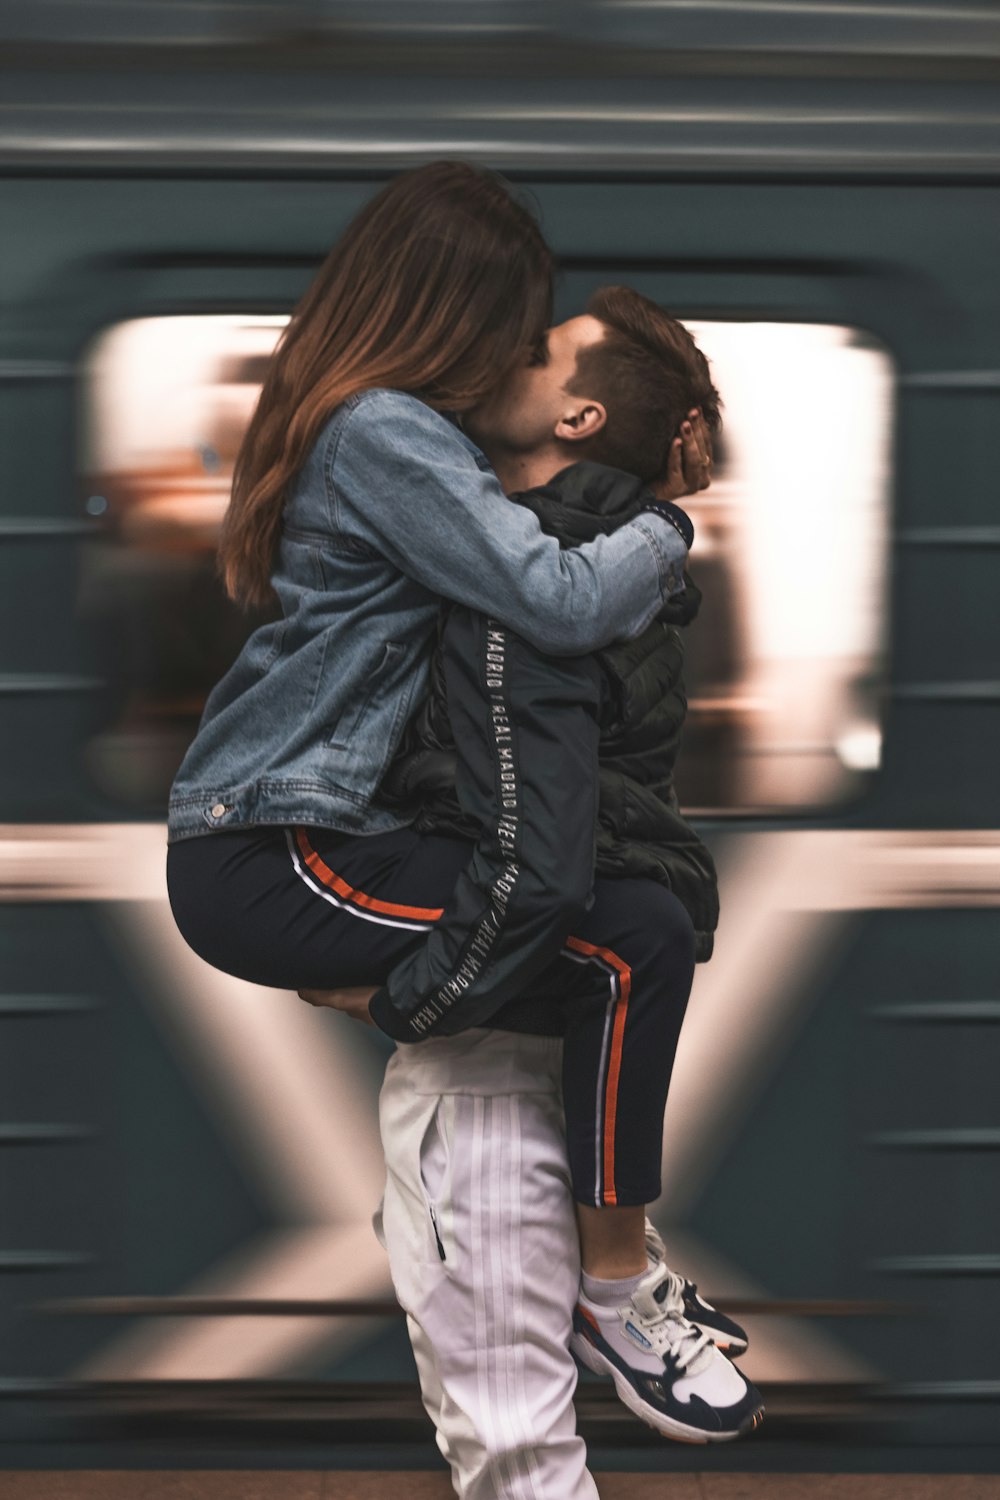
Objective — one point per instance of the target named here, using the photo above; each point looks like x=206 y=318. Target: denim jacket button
x=218 y=810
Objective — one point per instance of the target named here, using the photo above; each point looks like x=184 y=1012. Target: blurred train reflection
x=784 y=660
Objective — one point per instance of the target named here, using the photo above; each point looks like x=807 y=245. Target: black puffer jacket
x=640 y=831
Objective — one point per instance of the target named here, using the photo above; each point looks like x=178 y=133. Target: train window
x=784 y=660
x=165 y=403
x=786 y=657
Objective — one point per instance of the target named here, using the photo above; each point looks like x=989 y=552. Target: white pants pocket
x=436 y=1180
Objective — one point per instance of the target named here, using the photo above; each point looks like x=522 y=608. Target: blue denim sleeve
x=402 y=478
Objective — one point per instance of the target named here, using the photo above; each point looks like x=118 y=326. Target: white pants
x=479 y=1224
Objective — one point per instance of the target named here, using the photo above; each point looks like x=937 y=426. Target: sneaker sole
x=666 y=1426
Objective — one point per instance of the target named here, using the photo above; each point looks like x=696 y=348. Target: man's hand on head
x=353 y=1002
x=689 y=467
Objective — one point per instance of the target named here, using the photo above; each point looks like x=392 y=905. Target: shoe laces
x=663 y=1323
x=655 y=1248
x=657 y=1253
x=677 y=1285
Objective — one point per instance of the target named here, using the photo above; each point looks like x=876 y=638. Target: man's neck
x=525 y=471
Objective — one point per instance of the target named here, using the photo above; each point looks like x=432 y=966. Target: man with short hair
x=612 y=386
x=533 y=757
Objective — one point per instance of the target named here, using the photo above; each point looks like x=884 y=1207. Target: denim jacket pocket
x=364 y=737
x=274 y=650
x=350 y=724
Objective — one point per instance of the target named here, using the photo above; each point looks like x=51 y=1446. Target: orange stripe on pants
x=323 y=872
x=336 y=883
x=609 y=1194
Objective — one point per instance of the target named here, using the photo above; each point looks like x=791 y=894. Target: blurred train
x=189 y=1164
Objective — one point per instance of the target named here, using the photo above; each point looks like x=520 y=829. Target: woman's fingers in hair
x=673 y=484
x=689 y=464
x=696 y=442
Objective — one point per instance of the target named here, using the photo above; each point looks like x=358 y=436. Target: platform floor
x=245 y=1484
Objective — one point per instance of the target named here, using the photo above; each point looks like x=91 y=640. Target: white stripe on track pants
x=479 y=1224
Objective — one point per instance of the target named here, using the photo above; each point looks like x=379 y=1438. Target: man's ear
x=579 y=422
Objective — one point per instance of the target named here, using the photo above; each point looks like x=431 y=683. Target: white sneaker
x=664 y=1369
x=725 y=1334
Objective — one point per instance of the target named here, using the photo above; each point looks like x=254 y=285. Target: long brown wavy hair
x=438 y=286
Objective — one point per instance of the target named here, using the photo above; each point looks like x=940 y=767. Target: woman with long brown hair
x=359 y=503
x=437 y=287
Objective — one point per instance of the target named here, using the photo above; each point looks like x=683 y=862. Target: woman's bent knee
x=663 y=927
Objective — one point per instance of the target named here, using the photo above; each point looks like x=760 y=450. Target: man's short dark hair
x=648 y=373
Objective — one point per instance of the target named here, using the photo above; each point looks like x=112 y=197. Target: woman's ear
x=581 y=421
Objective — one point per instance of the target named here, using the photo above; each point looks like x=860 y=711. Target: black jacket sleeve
x=526 y=732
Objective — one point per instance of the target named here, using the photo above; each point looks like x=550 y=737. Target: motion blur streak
x=270 y=1070
x=824 y=870
x=783 y=667
x=285 y=1093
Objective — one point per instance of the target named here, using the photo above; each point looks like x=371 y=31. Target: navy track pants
x=308 y=908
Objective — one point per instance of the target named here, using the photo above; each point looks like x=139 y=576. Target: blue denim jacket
x=394 y=508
